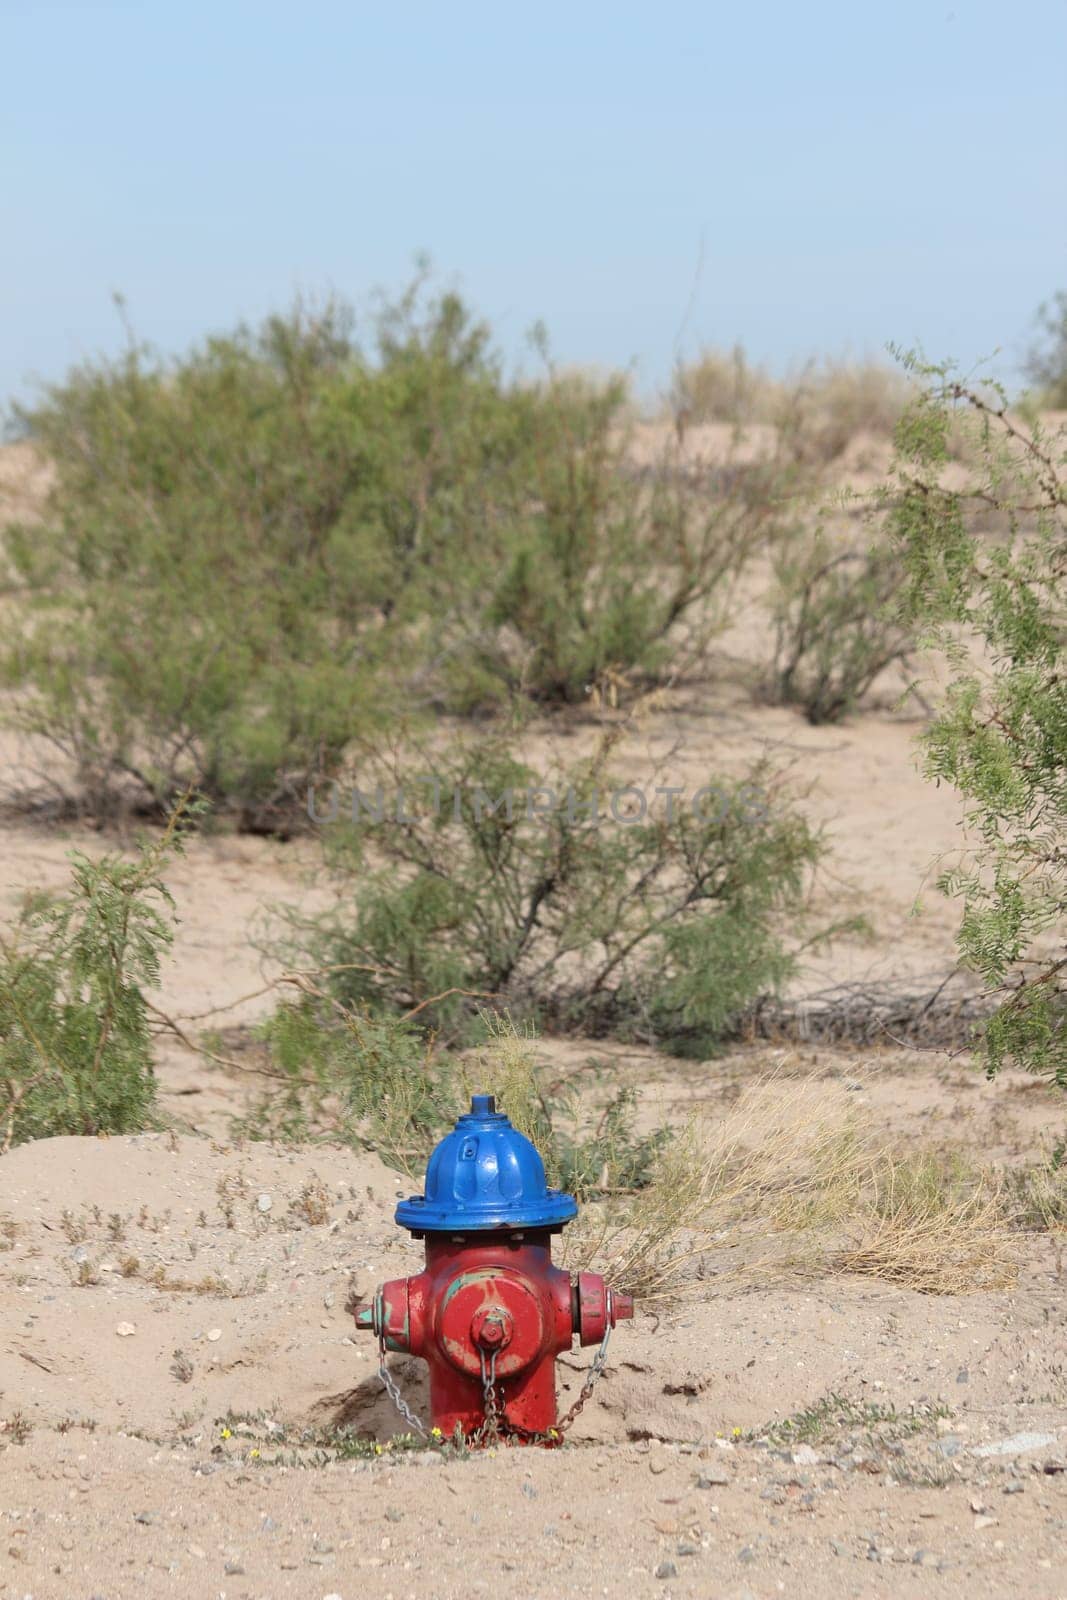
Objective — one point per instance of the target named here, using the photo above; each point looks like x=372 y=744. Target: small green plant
x=997 y=606
x=75 y=1041
x=837 y=623
x=835 y=1414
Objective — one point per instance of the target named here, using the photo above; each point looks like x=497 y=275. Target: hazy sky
x=847 y=173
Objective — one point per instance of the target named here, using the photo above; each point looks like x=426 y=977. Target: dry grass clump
x=793 y=1180
x=822 y=409
x=722 y=386
x=930 y=1224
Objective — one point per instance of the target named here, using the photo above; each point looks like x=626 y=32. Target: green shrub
x=998 y=607
x=195 y=617
x=838 y=623
x=75 y=1043
x=657 y=924
x=249 y=557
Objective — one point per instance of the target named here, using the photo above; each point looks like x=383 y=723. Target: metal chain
x=393 y=1391
x=596 y=1369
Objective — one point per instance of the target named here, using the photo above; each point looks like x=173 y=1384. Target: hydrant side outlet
x=489 y=1313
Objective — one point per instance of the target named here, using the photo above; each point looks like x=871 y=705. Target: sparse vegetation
x=997 y=608
x=837 y=621
x=658 y=920
x=75 y=1044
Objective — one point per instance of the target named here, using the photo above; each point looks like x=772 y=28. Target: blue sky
x=843 y=174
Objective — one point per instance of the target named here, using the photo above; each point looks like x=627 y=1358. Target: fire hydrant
x=489 y=1313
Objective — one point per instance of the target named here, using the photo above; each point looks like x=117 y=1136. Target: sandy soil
x=129 y=1483
x=124 y=1470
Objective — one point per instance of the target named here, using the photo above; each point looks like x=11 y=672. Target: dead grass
x=794 y=1181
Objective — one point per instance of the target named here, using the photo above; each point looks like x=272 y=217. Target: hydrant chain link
x=392 y=1389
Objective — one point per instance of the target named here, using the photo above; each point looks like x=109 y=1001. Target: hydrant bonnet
x=485 y=1175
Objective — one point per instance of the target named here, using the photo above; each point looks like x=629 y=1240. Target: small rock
x=145 y=1517
x=214 y=1334
x=746 y=1553
x=264 y=1202
x=125 y=1330
x=656 y=1465
x=529 y=1490
x=393 y=1514
x=805 y=1456
x=1015 y=1488
x=197 y=1551
x=950 y=1445
x=688 y=1549
x=838 y=1548
x=984 y=1522
x=924 y=1558
x=714 y=1478
x=666 y=1569
x=963 y=1376
x=1016 y=1444
x=232 y=1569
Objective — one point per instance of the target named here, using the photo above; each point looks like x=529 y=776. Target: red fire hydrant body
x=489 y=1313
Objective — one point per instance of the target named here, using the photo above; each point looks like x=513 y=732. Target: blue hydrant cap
x=485 y=1174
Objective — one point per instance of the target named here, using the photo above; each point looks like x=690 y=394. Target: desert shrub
x=562 y=896
x=251 y=555
x=829 y=405
x=819 y=410
x=1046 y=365
x=837 y=623
x=998 y=607
x=196 y=614
x=75 y=1040
x=587 y=583
x=722 y=386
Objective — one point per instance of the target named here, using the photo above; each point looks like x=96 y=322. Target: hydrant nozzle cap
x=485 y=1175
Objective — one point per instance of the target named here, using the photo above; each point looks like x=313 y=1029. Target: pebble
x=214 y=1334
x=125 y=1330
x=264 y=1202
x=714 y=1478
x=687 y=1549
x=984 y=1522
x=666 y=1569
x=1016 y=1444
x=805 y=1456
